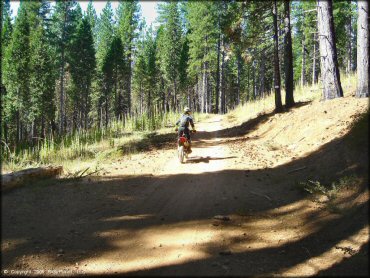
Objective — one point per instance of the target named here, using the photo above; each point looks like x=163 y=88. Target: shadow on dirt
x=206 y=159
x=246 y=127
x=76 y=217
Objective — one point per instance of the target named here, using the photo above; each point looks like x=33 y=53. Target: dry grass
x=306 y=93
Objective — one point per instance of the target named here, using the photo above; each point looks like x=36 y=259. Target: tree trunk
x=163 y=95
x=238 y=78
x=188 y=99
x=288 y=63
x=218 y=68
x=261 y=89
x=278 y=103
x=61 y=124
x=363 y=49
x=248 y=84
x=203 y=100
x=106 y=111
x=314 y=61
x=18 y=136
x=349 y=42
x=28 y=176
x=129 y=83
x=328 y=51
x=175 y=94
x=221 y=79
x=254 y=80
x=209 y=91
x=62 y=72
x=42 y=131
x=149 y=103
x=303 y=71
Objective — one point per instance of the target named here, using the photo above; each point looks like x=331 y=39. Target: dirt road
x=229 y=210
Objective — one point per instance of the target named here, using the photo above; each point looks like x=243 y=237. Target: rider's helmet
x=187 y=110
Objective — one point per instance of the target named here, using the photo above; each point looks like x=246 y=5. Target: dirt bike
x=183 y=147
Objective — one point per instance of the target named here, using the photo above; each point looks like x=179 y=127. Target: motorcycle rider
x=184 y=122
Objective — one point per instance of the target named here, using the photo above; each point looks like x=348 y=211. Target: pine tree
x=82 y=67
x=288 y=57
x=328 y=51
x=42 y=82
x=6 y=35
x=171 y=50
x=203 y=36
x=105 y=35
x=16 y=76
x=363 y=50
x=278 y=104
x=92 y=18
x=128 y=19
x=64 y=24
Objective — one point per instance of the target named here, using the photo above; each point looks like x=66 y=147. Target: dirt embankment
x=234 y=208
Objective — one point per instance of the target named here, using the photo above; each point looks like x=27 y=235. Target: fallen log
x=19 y=178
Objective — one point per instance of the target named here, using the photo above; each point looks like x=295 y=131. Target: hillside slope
x=149 y=214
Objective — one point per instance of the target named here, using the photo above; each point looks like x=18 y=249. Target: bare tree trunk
x=129 y=82
x=363 y=49
x=221 y=79
x=254 y=80
x=248 y=84
x=288 y=63
x=42 y=130
x=163 y=95
x=175 y=94
x=303 y=71
x=218 y=68
x=278 y=103
x=18 y=124
x=61 y=124
x=62 y=116
x=328 y=51
x=209 y=91
x=349 y=42
x=314 y=60
x=203 y=103
x=238 y=78
x=141 y=99
x=106 y=111
x=262 y=76
x=200 y=89
x=149 y=103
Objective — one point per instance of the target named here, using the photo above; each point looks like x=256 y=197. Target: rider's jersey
x=185 y=120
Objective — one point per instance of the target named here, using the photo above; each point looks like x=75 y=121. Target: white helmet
x=187 y=110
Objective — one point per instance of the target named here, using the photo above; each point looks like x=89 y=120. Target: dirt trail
x=152 y=215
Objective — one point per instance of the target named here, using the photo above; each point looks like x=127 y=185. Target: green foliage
x=16 y=73
x=105 y=33
x=66 y=72
x=42 y=83
x=331 y=190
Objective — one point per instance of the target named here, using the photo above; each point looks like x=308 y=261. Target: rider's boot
x=189 y=149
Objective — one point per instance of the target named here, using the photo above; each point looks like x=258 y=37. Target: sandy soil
x=233 y=208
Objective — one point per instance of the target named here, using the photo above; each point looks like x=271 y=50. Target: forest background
x=71 y=77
